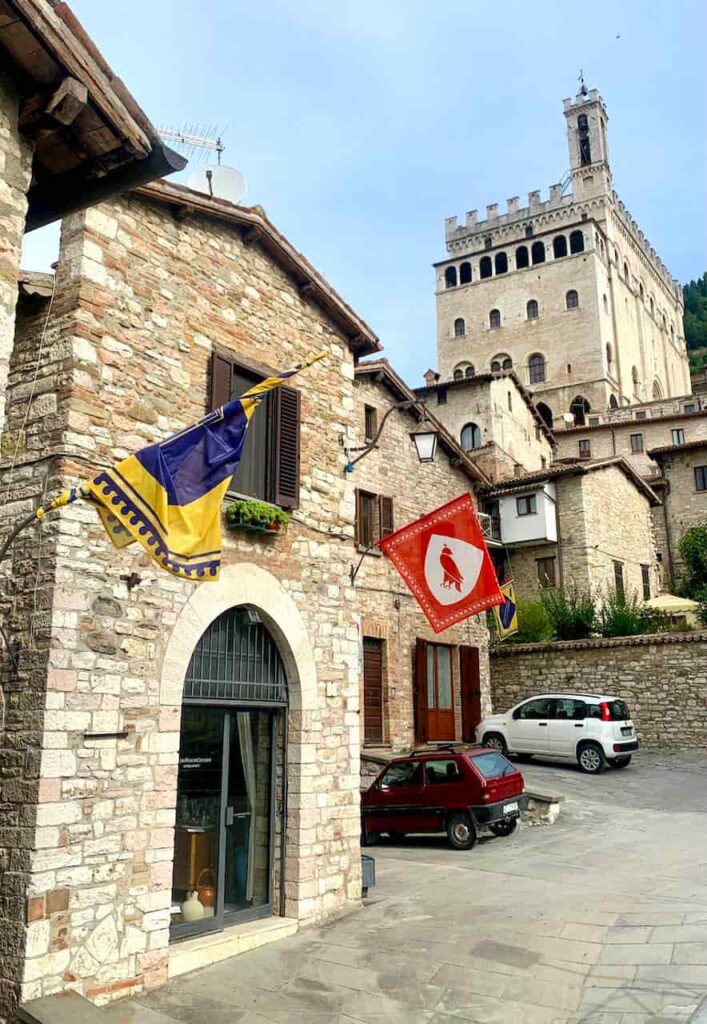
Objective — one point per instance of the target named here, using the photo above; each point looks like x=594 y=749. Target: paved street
x=599 y=919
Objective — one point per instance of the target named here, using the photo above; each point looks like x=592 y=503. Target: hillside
x=695 y=294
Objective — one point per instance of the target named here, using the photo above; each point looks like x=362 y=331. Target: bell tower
x=587 y=118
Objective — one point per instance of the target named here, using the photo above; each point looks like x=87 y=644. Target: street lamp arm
x=407 y=404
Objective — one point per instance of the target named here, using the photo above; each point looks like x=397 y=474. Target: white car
x=592 y=729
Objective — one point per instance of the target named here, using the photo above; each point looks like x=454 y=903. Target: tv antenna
x=218 y=181
x=195 y=140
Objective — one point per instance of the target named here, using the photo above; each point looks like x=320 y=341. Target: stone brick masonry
x=663 y=679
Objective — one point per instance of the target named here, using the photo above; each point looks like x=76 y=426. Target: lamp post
x=424 y=436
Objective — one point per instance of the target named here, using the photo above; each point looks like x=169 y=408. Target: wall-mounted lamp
x=424 y=437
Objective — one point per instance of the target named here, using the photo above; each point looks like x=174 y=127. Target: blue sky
x=361 y=125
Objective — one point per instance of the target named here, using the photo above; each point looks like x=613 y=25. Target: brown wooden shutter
x=286 y=461
x=386 y=517
x=372 y=690
x=357 y=521
x=470 y=678
x=221 y=381
x=420 y=690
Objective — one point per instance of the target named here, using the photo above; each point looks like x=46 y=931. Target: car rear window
x=618 y=710
x=492 y=765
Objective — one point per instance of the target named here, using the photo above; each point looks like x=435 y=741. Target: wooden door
x=470 y=692
x=434 y=704
x=372 y=691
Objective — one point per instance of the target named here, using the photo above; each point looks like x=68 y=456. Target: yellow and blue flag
x=167 y=497
x=507 y=613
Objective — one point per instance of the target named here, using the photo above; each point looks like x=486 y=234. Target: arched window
x=469 y=372
x=459 y=328
x=585 y=153
x=576 y=242
x=613 y=402
x=606 y=304
x=635 y=379
x=609 y=355
x=450 y=277
x=521 y=257
x=507 y=363
x=485 y=267
x=559 y=247
x=572 y=299
x=495 y=366
x=640 y=290
x=626 y=275
x=538 y=252
x=471 y=437
x=531 y=310
x=465 y=273
x=672 y=333
x=652 y=306
x=546 y=413
x=579 y=409
x=501 y=262
x=657 y=390
x=458 y=374
x=536 y=368
x=494 y=319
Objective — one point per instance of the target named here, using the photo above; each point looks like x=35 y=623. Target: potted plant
x=259 y=516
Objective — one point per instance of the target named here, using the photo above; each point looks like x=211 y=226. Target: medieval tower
x=567 y=291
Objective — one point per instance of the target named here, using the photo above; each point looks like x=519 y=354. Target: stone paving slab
x=588 y=921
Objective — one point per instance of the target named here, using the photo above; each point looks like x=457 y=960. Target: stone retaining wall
x=663 y=678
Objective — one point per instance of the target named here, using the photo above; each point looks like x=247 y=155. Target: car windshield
x=492 y=765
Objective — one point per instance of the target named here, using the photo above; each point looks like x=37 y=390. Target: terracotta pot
x=206 y=889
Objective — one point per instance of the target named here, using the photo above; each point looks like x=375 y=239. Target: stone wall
x=684 y=505
x=662 y=678
x=141 y=300
x=15 y=173
x=388 y=609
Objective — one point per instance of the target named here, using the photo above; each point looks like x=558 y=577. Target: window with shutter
x=270 y=462
x=386 y=517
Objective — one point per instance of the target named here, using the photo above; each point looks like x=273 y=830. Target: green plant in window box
x=260 y=516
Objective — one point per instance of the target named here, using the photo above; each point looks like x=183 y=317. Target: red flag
x=444 y=560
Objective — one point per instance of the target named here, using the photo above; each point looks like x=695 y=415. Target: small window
x=522 y=257
x=536 y=368
x=374 y=518
x=689 y=408
x=580 y=408
x=585 y=448
x=465 y=273
x=459 y=328
x=626 y=273
x=646 y=581
x=458 y=374
x=494 y=319
x=488 y=242
x=485 y=267
x=641 y=415
x=501 y=263
x=469 y=371
x=619 y=578
x=441 y=396
x=593 y=421
x=572 y=299
x=636 y=442
x=651 y=305
x=547 y=572
x=507 y=364
x=440 y=772
x=634 y=378
x=609 y=355
x=510 y=402
x=450 y=277
x=614 y=402
x=406 y=774
x=527 y=505
x=576 y=242
x=531 y=310
x=528 y=230
x=559 y=247
x=701 y=478
x=471 y=437
x=679 y=436
x=538 y=252
x=371 y=420
x=606 y=303
x=495 y=366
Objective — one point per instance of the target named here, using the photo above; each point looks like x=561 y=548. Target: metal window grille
x=236 y=659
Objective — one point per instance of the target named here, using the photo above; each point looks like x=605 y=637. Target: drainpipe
x=671 y=568
x=283 y=812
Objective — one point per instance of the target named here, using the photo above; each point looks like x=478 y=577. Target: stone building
x=682 y=486
x=160 y=736
x=70 y=134
x=416 y=685
x=493 y=418
x=586 y=524
x=567 y=291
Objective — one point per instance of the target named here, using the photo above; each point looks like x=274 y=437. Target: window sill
x=363 y=550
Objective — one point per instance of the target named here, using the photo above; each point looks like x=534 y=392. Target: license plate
x=626 y=730
x=507 y=808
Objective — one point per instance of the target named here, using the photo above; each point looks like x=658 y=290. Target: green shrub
x=245 y=512
x=534 y=624
x=693 y=551
x=572 y=612
x=624 y=615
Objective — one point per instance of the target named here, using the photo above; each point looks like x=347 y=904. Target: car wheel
x=396 y=836
x=504 y=828
x=460 y=831
x=620 y=762
x=495 y=741
x=591 y=759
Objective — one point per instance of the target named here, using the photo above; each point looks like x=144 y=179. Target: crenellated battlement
x=643 y=242
x=558 y=197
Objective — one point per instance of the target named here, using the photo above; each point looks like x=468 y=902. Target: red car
x=457 y=790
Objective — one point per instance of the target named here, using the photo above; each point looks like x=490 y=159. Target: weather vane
x=582 y=86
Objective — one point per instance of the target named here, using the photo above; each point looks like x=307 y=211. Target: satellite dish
x=220 y=182
x=568 y=417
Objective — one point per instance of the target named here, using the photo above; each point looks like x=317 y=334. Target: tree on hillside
x=695 y=295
